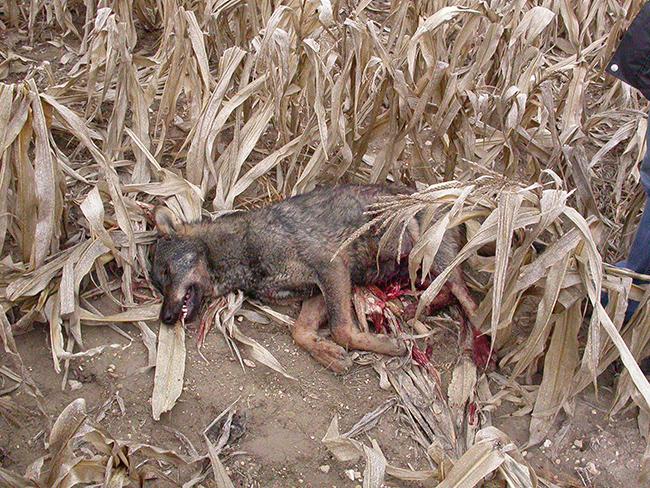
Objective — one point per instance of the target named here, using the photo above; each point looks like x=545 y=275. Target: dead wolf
x=288 y=251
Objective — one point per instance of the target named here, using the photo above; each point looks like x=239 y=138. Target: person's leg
x=639 y=256
x=645 y=165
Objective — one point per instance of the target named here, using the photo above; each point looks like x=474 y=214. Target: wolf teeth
x=183 y=313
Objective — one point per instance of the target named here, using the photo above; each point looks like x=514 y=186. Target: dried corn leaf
x=13 y=480
x=531 y=25
x=48 y=196
x=508 y=207
x=259 y=352
x=346 y=449
x=493 y=449
x=170 y=369
x=343 y=448
x=143 y=313
x=559 y=364
x=461 y=387
x=442 y=16
x=373 y=474
x=224 y=320
x=219 y=471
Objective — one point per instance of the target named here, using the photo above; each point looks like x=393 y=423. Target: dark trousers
x=638 y=259
x=639 y=256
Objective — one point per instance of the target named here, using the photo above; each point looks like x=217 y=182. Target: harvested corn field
x=499 y=117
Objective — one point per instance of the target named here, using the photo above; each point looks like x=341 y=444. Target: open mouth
x=185 y=307
x=171 y=313
x=190 y=305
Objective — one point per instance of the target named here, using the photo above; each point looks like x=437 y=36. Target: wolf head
x=180 y=269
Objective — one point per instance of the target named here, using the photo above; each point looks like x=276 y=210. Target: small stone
x=547 y=443
x=249 y=363
x=75 y=385
x=325 y=468
x=591 y=468
x=577 y=443
x=111 y=368
x=594 y=412
x=350 y=474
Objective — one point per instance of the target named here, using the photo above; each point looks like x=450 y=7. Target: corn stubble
x=498 y=111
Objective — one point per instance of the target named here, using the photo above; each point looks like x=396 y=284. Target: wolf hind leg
x=459 y=289
x=305 y=333
x=335 y=284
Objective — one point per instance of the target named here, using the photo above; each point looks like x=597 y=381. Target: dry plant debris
x=208 y=106
x=81 y=452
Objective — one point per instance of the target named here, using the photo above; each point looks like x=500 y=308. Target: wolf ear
x=167 y=224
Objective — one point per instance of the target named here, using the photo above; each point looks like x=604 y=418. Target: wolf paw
x=384 y=344
x=331 y=355
x=400 y=347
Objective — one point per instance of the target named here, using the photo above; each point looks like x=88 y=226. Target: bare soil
x=281 y=446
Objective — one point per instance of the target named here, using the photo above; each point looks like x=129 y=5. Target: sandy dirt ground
x=286 y=420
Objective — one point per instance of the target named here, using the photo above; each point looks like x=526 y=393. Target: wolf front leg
x=305 y=332
x=334 y=282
